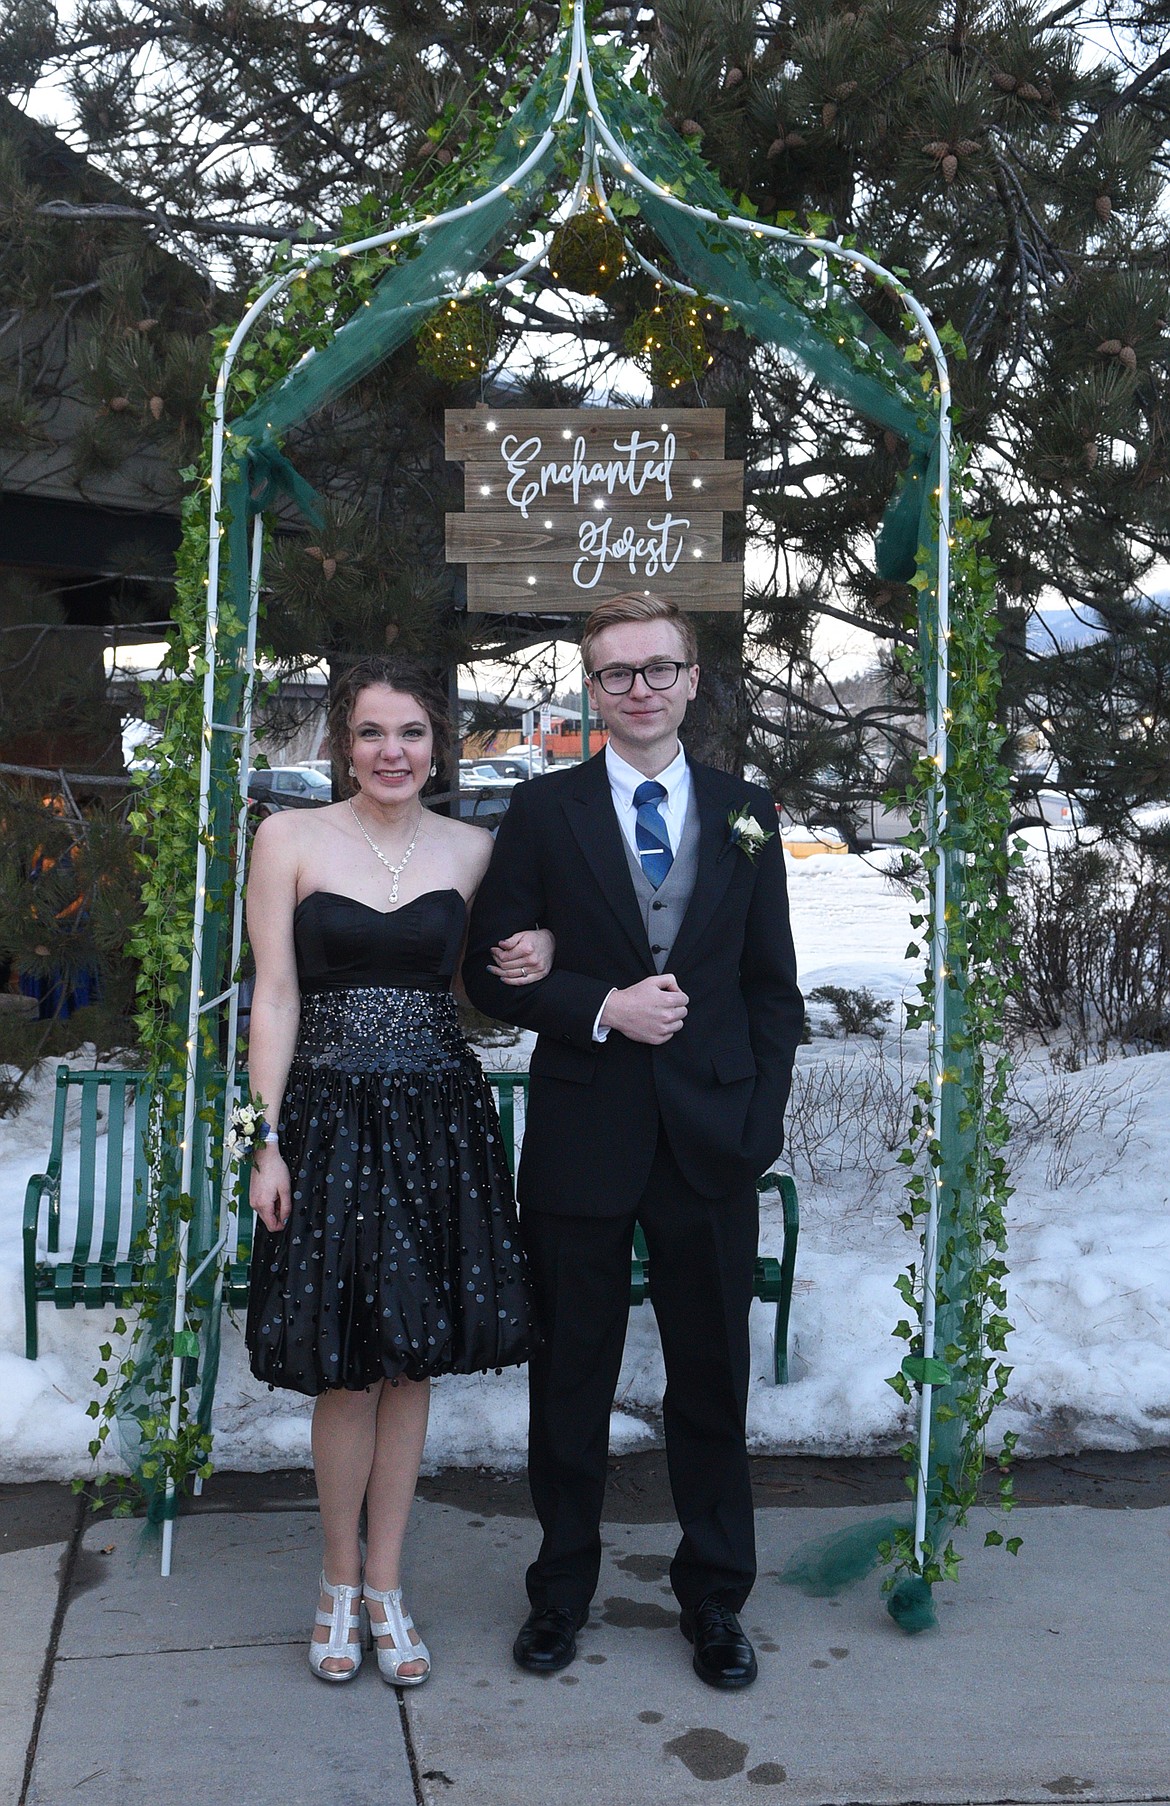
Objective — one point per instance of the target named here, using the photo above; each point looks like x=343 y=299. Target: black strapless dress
x=402 y=1254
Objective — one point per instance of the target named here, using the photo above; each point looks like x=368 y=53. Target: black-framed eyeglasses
x=662 y=674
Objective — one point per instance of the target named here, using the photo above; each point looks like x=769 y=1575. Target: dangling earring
x=352 y=772
x=434 y=771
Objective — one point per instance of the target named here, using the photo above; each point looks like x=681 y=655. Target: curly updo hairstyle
x=406 y=677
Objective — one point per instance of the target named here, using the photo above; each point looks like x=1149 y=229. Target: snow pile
x=1089 y=1253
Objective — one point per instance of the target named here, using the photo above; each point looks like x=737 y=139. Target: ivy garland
x=166 y=817
x=968 y=1371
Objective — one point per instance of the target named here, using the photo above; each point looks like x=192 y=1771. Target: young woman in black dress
x=387 y=1247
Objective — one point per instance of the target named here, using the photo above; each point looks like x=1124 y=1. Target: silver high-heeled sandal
x=396 y=1623
x=341 y=1620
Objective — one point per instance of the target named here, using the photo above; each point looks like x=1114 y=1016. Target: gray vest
x=663 y=909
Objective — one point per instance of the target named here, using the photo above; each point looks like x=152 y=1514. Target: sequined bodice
x=341 y=943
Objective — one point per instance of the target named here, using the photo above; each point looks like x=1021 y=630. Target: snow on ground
x=1089 y=1253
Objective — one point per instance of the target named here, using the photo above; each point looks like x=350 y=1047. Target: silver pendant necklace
x=395 y=871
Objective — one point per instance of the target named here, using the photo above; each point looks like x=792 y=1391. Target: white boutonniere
x=747 y=834
x=246 y=1129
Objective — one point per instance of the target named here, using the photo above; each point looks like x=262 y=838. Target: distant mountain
x=1067 y=628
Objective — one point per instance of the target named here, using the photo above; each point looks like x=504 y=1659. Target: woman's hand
x=270 y=1191
x=524 y=958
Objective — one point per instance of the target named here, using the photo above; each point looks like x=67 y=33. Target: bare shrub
x=1086 y=1124
x=1091 y=928
x=851 y=1115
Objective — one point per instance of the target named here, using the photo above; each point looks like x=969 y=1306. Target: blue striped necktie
x=651 y=835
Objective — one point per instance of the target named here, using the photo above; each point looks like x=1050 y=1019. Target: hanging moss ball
x=669 y=339
x=587 y=253
x=457 y=343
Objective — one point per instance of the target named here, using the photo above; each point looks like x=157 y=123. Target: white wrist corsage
x=747 y=834
x=246 y=1131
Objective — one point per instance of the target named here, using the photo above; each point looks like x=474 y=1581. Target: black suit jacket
x=721 y=1083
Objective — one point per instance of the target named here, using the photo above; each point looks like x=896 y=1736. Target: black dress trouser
x=702 y=1255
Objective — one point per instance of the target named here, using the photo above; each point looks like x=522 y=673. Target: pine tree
x=1013 y=161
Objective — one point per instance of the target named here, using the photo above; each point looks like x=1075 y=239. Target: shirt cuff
x=599 y=1033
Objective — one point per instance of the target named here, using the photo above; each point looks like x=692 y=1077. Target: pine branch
x=55 y=773
x=170 y=222
x=1139 y=83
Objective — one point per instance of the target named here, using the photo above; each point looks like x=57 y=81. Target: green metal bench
x=111 y=1209
x=97 y=1200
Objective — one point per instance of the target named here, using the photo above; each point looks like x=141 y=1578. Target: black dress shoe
x=723 y=1655
x=547 y=1641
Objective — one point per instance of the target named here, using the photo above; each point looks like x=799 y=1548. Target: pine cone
x=314 y=552
x=443 y=156
x=829 y=114
x=156 y=406
x=145 y=325
x=1029 y=91
x=950 y=168
x=1003 y=80
x=732 y=79
x=329 y=567
x=690 y=128
x=891 y=441
x=936 y=148
x=793 y=139
x=777 y=146
x=1103 y=207
x=1109 y=348
x=1128 y=356
x=1090 y=455
x=844 y=89
x=392 y=631
x=118 y=404
x=966 y=147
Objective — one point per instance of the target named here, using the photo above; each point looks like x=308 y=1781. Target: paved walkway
x=1047 y=1679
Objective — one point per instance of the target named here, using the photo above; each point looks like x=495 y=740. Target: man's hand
x=650 y=1011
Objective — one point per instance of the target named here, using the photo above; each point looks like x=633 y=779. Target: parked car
x=288 y=787
x=505 y=766
x=1060 y=810
x=882 y=827
x=479 y=777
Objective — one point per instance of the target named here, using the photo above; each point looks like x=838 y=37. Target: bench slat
x=93 y=1293
x=87 y=1164
x=141 y=1167
x=505 y=1090
x=115 y=1135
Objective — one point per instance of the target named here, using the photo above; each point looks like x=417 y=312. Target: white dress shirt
x=623 y=781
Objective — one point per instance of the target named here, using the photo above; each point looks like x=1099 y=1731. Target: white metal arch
x=599 y=142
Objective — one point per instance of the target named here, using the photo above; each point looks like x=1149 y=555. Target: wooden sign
x=566 y=507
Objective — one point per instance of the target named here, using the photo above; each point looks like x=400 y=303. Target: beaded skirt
x=401 y=1257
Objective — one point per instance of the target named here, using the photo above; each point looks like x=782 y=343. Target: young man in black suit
x=667 y=1031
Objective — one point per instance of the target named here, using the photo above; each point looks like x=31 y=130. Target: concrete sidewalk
x=1048 y=1678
